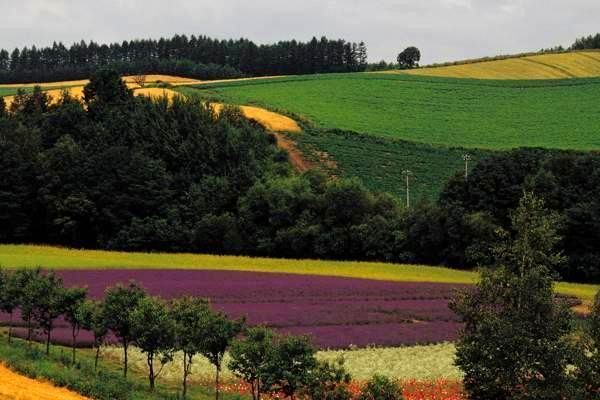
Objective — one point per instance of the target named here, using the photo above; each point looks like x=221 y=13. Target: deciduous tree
x=190 y=314
x=328 y=381
x=153 y=332
x=48 y=302
x=119 y=302
x=409 y=58
x=219 y=332
x=513 y=346
x=91 y=316
x=250 y=357
x=290 y=365
x=73 y=300
x=9 y=296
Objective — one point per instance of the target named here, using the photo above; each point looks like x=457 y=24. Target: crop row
x=336 y=312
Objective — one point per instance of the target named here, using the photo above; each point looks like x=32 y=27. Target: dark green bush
x=381 y=388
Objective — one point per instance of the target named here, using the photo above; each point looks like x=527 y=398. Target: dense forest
x=569 y=183
x=120 y=172
x=195 y=57
x=587 y=42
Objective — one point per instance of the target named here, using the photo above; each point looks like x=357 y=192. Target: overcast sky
x=444 y=30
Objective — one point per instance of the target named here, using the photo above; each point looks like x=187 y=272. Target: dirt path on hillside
x=297 y=159
x=18 y=387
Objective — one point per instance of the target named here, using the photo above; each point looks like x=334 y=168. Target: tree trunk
x=96 y=359
x=187 y=362
x=29 y=331
x=10 y=327
x=258 y=389
x=125 y=344
x=150 y=361
x=73 y=343
x=217 y=384
x=48 y=341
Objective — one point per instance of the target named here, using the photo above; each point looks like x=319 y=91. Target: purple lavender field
x=336 y=312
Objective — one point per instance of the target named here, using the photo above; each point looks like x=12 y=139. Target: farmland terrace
x=485 y=114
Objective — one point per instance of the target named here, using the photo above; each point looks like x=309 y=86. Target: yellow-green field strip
x=27 y=256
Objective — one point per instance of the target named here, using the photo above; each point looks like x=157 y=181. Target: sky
x=444 y=30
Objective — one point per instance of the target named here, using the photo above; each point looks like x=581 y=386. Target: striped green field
x=25 y=256
x=561 y=114
x=426 y=123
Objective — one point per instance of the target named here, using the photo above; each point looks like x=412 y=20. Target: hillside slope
x=583 y=64
x=561 y=114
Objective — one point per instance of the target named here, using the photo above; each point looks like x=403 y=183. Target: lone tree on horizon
x=409 y=58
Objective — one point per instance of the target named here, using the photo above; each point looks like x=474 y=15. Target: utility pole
x=408 y=174
x=467 y=157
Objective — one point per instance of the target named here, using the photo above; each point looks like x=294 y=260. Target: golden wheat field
x=54 y=94
x=17 y=387
x=270 y=120
x=173 y=80
x=156 y=93
x=545 y=66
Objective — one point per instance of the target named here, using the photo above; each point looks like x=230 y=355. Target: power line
x=467 y=157
x=408 y=174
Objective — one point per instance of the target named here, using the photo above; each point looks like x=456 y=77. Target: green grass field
x=23 y=256
x=11 y=91
x=381 y=170
x=470 y=113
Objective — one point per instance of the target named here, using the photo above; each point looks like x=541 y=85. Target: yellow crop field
x=17 y=387
x=18 y=256
x=173 y=80
x=270 y=120
x=55 y=94
x=545 y=66
x=156 y=93
x=82 y=82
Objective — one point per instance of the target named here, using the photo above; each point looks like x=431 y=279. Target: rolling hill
x=584 y=64
x=375 y=125
x=470 y=113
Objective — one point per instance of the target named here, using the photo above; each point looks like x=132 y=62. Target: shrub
x=381 y=388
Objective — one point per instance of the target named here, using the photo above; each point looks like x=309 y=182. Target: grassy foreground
x=424 y=363
x=106 y=384
x=29 y=256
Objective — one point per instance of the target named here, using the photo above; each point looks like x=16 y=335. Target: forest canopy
x=123 y=172
x=198 y=57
